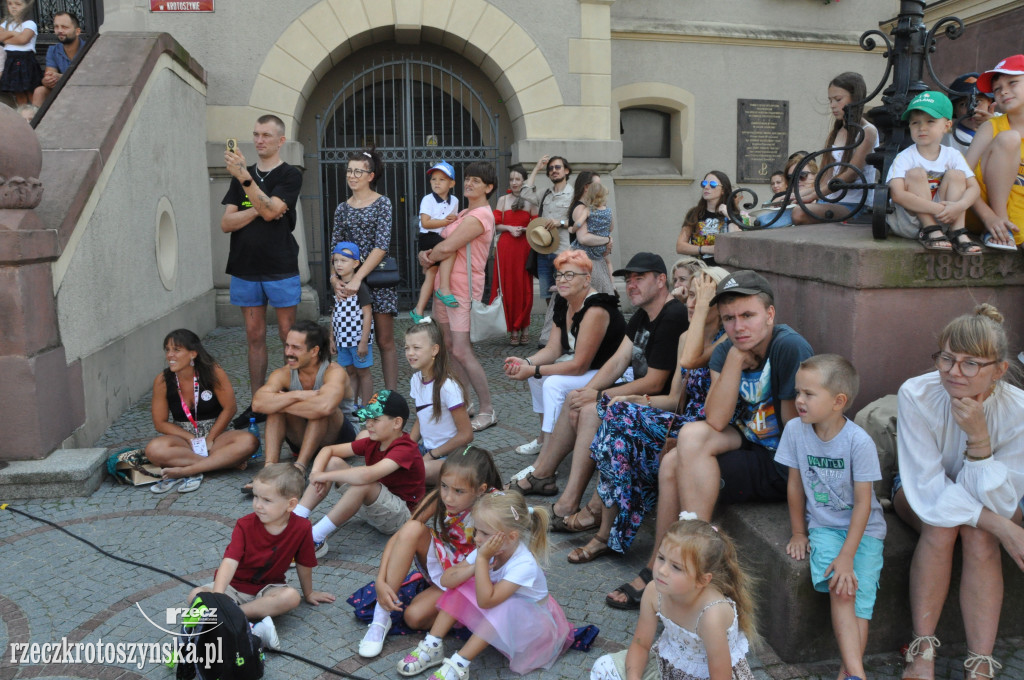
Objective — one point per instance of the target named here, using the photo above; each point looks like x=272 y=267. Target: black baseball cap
x=966 y=84
x=385 y=403
x=743 y=282
x=641 y=263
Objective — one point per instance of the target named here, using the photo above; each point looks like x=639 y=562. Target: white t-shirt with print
x=434 y=433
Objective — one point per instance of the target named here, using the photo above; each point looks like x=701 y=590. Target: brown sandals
x=582 y=555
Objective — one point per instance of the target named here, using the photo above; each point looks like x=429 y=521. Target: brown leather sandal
x=582 y=555
x=535 y=486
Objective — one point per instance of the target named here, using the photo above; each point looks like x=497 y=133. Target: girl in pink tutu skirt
x=499 y=593
x=700 y=594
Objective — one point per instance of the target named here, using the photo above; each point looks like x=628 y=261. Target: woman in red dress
x=510 y=218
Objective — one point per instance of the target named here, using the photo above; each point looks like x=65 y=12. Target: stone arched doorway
x=416 y=106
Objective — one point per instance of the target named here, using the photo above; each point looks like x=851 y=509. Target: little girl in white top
x=700 y=594
x=500 y=593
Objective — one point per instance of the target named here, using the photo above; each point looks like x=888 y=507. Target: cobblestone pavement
x=53 y=587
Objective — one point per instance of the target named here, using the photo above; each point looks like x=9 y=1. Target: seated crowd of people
x=703 y=397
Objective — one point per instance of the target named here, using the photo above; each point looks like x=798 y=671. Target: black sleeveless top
x=209 y=407
x=613 y=335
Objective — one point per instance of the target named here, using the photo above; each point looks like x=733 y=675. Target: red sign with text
x=180 y=5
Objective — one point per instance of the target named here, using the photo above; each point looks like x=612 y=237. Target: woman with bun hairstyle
x=961 y=462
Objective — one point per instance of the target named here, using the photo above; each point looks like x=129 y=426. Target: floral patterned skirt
x=625 y=450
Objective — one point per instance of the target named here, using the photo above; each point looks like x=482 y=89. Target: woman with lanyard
x=193 y=403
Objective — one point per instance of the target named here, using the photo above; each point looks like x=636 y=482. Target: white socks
x=381 y=617
x=431 y=640
x=322 y=529
x=301 y=511
x=459 y=661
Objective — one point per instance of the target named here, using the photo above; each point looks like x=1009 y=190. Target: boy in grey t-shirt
x=833 y=463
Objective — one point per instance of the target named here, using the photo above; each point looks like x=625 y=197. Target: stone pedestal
x=40 y=395
x=880 y=304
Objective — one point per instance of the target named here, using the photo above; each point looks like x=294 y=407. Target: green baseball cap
x=935 y=104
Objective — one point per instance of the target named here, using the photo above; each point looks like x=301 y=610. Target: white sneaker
x=266 y=631
x=373 y=641
x=531 y=449
x=320 y=549
x=420 y=659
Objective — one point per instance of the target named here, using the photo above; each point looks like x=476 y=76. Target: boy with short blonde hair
x=833 y=463
x=263 y=546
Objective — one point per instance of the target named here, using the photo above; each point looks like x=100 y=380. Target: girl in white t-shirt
x=499 y=593
x=442 y=420
x=21 y=73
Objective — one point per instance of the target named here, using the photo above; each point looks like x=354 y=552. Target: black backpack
x=235 y=652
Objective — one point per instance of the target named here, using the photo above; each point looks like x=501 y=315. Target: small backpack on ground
x=236 y=653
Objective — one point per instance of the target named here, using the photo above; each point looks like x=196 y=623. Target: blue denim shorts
x=347 y=356
x=867 y=565
x=281 y=293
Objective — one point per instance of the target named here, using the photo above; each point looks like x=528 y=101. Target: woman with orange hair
x=588 y=328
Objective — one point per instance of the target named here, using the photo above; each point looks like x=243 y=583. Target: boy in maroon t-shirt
x=262 y=547
x=382 y=492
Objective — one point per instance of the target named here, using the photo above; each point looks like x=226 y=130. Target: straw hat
x=540 y=238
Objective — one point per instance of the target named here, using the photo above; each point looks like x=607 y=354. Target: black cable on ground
x=277 y=652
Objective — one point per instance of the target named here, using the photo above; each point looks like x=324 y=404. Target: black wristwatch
x=536 y=372
x=247 y=183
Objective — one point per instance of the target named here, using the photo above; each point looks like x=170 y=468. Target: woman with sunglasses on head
x=961 y=462
x=588 y=329
x=707 y=219
x=365 y=219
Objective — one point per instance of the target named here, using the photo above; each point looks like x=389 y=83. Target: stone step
x=65 y=472
x=795 y=619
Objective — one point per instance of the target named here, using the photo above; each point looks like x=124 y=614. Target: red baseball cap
x=1011 y=66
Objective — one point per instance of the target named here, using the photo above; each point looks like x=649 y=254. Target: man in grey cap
x=721 y=458
x=644 y=362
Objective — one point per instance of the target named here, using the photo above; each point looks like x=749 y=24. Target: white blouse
x=941 y=485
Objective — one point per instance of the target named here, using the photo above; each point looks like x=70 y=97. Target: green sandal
x=448 y=300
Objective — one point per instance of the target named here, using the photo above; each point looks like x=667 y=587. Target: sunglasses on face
x=555 y=167
x=805 y=174
x=710 y=183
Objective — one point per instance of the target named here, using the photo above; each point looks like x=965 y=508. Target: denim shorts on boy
x=387 y=514
x=867 y=565
x=347 y=356
x=281 y=293
x=241 y=598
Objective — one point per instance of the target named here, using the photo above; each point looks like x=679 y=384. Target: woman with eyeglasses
x=960 y=438
x=707 y=219
x=365 y=219
x=588 y=328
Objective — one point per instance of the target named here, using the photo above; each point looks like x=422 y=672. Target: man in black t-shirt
x=263 y=260
x=644 y=362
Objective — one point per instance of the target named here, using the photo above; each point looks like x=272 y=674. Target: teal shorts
x=867 y=565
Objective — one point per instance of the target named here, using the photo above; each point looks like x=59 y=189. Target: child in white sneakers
x=500 y=593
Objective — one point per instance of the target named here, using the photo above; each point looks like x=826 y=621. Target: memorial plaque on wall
x=762 y=143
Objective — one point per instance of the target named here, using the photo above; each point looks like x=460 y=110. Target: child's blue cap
x=347 y=249
x=444 y=167
x=935 y=104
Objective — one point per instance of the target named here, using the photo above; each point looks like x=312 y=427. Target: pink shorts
x=456 y=317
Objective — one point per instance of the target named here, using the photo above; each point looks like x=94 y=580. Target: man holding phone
x=263 y=260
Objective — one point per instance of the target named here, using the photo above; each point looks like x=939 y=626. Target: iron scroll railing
x=907 y=55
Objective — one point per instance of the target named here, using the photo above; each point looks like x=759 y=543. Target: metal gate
x=415 y=112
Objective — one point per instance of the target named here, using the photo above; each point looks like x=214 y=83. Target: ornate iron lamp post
x=907 y=55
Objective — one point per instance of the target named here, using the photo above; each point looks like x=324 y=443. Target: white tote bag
x=485 y=321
